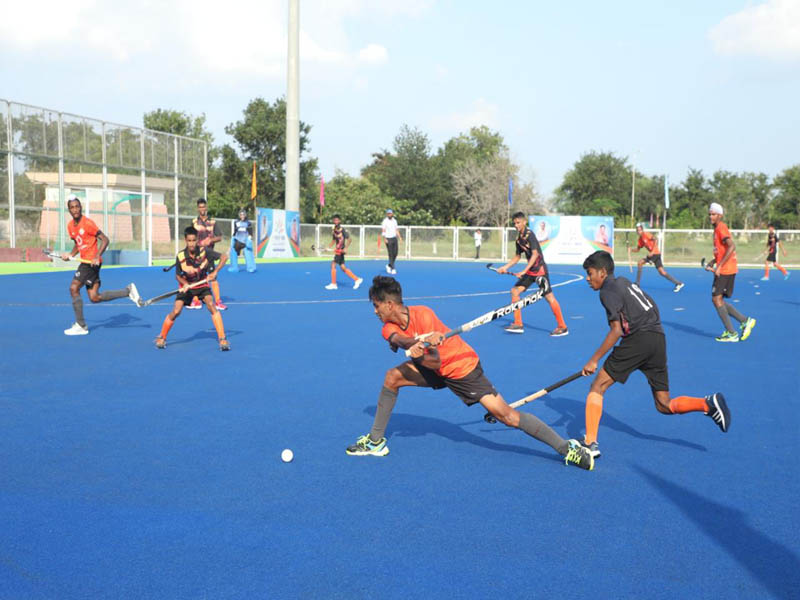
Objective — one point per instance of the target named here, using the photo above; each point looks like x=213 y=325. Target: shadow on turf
x=206 y=334
x=688 y=329
x=774 y=565
x=405 y=425
x=121 y=320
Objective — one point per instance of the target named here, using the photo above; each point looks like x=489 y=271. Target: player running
x=339 y=244
x=773 y=244
x=648 y=240
x=192 y=265
x=528 y=245
x=633 y=316
x=448 y=363
x=208 y=234
x=724 y=266
x=91 y=243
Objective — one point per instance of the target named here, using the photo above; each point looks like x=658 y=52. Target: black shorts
x=192 y=293
x=723 y=285
x=338 y=259
x=772 y=257
x=528 y=280
x=470 y=388
x=655 y=260
x=645 y=351
x=238 y=246
x=88 y=275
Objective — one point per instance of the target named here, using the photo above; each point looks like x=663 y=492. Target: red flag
x=322 y=192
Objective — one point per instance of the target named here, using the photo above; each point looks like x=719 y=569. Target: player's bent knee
x=393 y=378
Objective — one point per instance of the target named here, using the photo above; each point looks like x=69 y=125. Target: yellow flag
x=253 y=184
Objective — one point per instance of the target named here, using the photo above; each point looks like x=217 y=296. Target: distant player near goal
x=91 y=243
x=773 y=244
x=450 y=363
x=648 y=240
x=340 y=242
x=208 y=234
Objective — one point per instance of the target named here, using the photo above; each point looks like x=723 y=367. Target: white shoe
x=331 y=286
x=76 y=330
x=678 y=288
x=358 y=283
x=133 y=294
x=389 y=269
x=394 y=271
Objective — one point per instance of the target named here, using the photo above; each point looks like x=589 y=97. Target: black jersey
x=526 y=244
x=206 y=228
x=772 y=243
x=627 y=303
x=340 y=236
x=195 y=267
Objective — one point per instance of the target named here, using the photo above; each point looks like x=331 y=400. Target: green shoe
x=364 y=446
x=579 y=456
x=747 y=327
x=727 y=336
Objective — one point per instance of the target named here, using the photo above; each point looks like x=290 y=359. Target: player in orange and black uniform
x=647 y=240
x=450 y=363
x=340 y=242
x=528 y=245
x=208 y=234
x=725 y=266
x=91 y=243
x=193 y=264
x=773 y=243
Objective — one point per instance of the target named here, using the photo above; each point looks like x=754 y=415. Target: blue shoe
x=764 y=278
x=364 y=446
x=785 y=277
x=718 y=411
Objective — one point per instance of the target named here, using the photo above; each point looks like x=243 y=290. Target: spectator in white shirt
x=478 y=239
x=391 y=235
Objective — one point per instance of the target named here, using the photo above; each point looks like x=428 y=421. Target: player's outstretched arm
x=509 y=264
x=613 y=335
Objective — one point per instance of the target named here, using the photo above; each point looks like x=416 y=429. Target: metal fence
x=137 y=184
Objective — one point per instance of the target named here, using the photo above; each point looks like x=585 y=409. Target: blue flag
x=510 y=191
x=666 y=191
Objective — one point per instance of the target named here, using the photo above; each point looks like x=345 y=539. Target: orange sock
x=556 y=308
x=517 y=313
x=780 y=268
x=685 y=404
x=333 y=273
x=217 y=319
x=165 y=327
x=594 y=410
x=350 y=274
x=215 y=289
x=766 y=271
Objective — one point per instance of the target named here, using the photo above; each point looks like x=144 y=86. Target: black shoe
x=593 y=448
x=718 y=410
x=579 y=456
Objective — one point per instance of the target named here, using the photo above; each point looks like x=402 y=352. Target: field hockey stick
x=325 y=249
x=492 y=268
x=168 y=267
x=703 y=264
x=172 y=293
x=497 y=313
x=489 y=418
x=630 y=260
x=52 y=254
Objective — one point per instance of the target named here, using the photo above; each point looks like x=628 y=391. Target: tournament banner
x=569 y=240
x=278 y=233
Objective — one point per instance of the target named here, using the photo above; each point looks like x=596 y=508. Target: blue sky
x=711 y=85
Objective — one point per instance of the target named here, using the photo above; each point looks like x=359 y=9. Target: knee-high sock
x=536 y=428
x=556 y=308
x=766 y=271
x=735 y=313
x=594 y=410
x=386 y=400
x=517 y=313
x=217 y=319
x=165 y=327
x=638 y=274
x=333 y=272
x=77 y=307
x=350 y=274
x=671 y=278
x=215 y=289
x=684 y=404
x=726 y=320
x=113 y=294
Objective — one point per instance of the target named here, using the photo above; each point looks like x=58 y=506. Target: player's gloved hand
x=65 y=257
x=184 y=288
x=417 y=350
x=589 y=368
x=434 y=338
x=502 y=270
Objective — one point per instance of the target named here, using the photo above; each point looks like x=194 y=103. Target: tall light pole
x=292 y=194
x=633 y=184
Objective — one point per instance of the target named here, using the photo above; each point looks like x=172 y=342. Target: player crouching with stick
x=437 y=362
x=192 y=265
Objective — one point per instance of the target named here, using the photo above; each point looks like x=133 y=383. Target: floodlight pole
x=292 y=194
x=633 y=184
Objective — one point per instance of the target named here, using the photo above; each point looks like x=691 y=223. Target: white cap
x=715 y=208
x=72 y=197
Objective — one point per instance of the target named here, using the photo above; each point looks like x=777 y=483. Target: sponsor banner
x=278 y=233
x=569 y=240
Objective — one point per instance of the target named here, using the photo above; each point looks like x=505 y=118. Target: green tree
x=598 y=184
x=181 y=123
x=689 y=202
x=784 y=211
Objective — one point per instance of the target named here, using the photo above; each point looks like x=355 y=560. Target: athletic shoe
x=161 y=343
x=388 y=269
x=579 y=456
x=224 y=345
x=133 y=294
x=515 y=329
x=221 y=306
x=746 y=328
x=195 y=304
x=764 y=278
x=727 y=336
x=678 y=288
x=593 y=448
x=331 y=286
x=718 y=411
x=358 y=283
x=394 y=271
x=365 y=446
x=785 y=277
x=559 y=332
x=76 y=330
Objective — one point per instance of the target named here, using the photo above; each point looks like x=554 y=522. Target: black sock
x=114 y=294
x=77 y=306
x=726 y=320
x=735 y=313
x=536 y=428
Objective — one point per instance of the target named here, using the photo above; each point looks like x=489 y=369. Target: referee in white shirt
x=390 y=233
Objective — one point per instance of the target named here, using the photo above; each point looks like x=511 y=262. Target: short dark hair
x=599 y=260
x=386 y=288
x=336 y=217
x=518 y=215
x=190 y=230
x=201 y=201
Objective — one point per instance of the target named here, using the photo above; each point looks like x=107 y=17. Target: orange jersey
x=648 y=241
x=721 y=233
x=84 y=234
x=458 y=358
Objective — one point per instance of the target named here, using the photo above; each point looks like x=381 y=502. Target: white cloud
x=769 y=30
x=480 y=113
x=373 y=54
